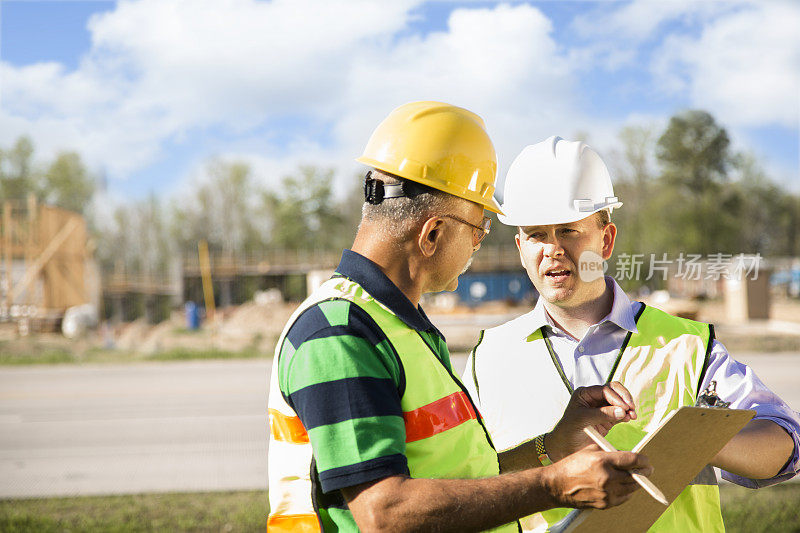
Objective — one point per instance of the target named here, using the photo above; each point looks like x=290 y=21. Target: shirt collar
x=621 y=312
x=370 y=276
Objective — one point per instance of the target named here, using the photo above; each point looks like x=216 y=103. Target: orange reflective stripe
x=287 y=428
x=294 y=523
x=438 y=416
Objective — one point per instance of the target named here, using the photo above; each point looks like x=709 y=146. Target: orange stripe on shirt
x=436 y=417
x=287 y=428
x=293 y=523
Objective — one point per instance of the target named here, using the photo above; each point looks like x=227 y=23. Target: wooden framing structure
x=44 y=252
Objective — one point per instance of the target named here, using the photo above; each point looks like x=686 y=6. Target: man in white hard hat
x=585 y=331
x=370 y=428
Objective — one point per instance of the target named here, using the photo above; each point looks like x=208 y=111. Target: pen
x=646 y=484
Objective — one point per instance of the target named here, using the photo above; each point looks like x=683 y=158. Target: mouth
x=559 y=274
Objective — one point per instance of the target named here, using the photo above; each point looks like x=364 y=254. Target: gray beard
x=469 y=264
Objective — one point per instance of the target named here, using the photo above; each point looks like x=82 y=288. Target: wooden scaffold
x=44 y=253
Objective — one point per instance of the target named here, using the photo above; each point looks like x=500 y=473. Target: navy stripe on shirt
x=341 y=400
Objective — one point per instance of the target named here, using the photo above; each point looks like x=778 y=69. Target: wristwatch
x=541 y=451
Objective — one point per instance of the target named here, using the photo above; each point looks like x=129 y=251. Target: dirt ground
x=256 y=327
x=247 y=327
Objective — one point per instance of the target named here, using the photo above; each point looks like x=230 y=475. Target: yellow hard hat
x=439 y=145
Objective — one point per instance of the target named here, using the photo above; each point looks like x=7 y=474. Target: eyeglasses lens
x=480 y=233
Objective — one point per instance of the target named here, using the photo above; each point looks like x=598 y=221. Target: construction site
x=54 y=294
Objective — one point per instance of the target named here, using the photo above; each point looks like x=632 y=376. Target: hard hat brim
x=540 y=219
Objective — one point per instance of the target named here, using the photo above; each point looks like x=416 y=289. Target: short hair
x=603 y=218
x=401 y=214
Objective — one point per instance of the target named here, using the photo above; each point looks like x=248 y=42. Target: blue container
x=493 y=286
x=192 y=315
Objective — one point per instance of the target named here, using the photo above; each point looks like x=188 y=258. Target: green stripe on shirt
x=339 y=357
x=358 y=440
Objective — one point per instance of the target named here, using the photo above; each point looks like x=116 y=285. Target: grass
x=774 y=509
x=35 y=357
x=36 y=354
x=197 y=512
x=179 y=354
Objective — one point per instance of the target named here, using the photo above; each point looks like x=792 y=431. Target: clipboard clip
x=709 y=398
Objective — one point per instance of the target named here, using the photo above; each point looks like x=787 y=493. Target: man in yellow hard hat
x=370 y=428
x=584 y=330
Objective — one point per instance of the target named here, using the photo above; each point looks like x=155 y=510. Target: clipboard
x=679 y=449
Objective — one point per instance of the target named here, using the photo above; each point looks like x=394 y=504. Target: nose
x=553 y=248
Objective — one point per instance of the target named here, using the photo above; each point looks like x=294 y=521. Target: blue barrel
x=192 y=315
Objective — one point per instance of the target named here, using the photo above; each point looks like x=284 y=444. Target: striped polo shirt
x=343 y=378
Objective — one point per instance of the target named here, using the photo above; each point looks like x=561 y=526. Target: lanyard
x=560 y=369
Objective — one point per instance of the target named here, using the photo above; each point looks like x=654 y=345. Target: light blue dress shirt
x=588 y=361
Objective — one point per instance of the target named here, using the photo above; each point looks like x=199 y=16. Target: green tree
x=17 y=177
x=153 y=246
x=67 y=184
x=634 y=184
x=349 y=209
x=114 y=243
x=136 y=241
x=694 y=152
x=768 y=215
x=222 y=211
x=303 y=212
x=233 y=215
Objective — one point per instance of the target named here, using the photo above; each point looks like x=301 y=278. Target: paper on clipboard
x=679 y=449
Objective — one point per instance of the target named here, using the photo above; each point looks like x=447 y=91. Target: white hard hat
x=556 y=182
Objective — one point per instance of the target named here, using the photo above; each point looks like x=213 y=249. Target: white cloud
x=159 y=69
x=615 y=37
x=641 y=20
x=745 y=66
x=162 y=72
x=228 y=60
x=501 y=63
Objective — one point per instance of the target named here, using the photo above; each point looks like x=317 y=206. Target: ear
x=430 y=236
x=609 y=238
x=519 y=249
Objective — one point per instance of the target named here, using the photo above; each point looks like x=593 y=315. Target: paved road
x=106 y=429
x=187 y=426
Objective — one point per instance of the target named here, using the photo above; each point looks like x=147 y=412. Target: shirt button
x=580 y=349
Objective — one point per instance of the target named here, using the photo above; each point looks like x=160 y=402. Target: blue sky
x=148 y=91
x=35 y=31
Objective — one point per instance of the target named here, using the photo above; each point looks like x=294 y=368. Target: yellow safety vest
x=662 y=365
x=445 y=435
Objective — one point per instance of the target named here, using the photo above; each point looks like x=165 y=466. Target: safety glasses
x=478 y=232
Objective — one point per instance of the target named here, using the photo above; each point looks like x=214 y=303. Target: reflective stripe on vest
x=422 y=423
x=439 y=415
x=287 y=428
x=662 y=365
x=293 y=523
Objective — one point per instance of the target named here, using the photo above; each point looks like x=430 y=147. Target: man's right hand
x=599 y=406
x=596 y=479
